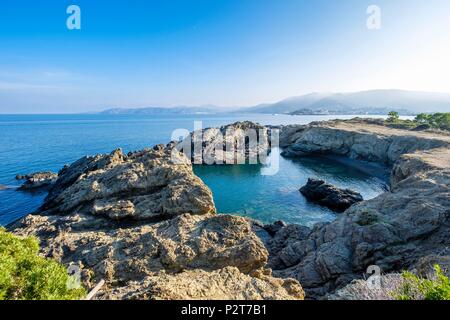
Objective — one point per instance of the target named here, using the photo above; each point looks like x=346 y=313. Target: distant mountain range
x=161 y=110
x=358 y=103
x=364 y=102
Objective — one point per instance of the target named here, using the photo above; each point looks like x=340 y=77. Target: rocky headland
x=400 y=229
x=148 y=226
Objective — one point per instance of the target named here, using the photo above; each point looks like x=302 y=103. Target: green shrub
x=415 y=288
x=437 y=120
x=24 y=275
x=393 y=116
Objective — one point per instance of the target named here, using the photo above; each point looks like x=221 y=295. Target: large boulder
x=149 y=184
x=325 y=194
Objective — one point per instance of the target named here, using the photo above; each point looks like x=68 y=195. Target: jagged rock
x=148 y=184
x=327 y=195
x=223 y=284
x=396 y=230
x=38 y=180
x=101 y=216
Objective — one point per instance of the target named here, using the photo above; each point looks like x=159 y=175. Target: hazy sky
x=223 y=52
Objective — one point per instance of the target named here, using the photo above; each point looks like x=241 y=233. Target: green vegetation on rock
x=24 y=275
x=423 y=121
x=436 y=121
x=416 y=288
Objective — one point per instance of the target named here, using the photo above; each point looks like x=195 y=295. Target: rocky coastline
x=405 y=228
x=149 y=227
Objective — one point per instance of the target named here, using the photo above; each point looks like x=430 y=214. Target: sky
x=140 y=53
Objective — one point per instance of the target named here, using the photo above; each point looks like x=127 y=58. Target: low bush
x=416 y=288
x=24 y=275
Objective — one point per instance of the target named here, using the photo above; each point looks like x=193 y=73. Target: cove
x=242 y=190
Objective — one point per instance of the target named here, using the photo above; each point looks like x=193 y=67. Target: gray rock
x=325 y=194
x=237 y=143
x=38 y=180
x=143 y=185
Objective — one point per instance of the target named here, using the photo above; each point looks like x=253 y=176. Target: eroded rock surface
x=223 y=284
x=327 y=195
x=38 y=180
x=147 y=225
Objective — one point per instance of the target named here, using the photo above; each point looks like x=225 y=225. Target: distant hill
x=162 y=110
x=364 y=102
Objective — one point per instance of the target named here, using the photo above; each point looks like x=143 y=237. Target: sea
x=31 y=143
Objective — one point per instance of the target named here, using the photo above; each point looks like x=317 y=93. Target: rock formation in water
x=394 y=231
x=237 y=143
x=147 y=225
x=38 y=180
x=327 y=195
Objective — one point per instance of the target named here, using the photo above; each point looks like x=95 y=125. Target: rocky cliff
x=394 y=230
x=146 y=224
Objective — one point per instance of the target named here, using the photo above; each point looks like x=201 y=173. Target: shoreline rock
x=37 y=181
x=325 y=194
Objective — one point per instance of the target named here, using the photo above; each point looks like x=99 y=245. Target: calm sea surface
x=30 y=143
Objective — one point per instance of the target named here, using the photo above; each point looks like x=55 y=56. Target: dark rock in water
x=38 y=180
x=330 y=196
x=273 y=228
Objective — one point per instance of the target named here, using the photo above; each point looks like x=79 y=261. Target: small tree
x=393 y=116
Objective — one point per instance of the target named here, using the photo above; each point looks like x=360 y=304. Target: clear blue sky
x=223 y=52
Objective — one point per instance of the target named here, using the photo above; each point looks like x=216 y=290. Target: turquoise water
x=30 y=143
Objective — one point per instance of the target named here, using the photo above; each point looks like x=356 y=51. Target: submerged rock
x=38 y=180
x=327 y=195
